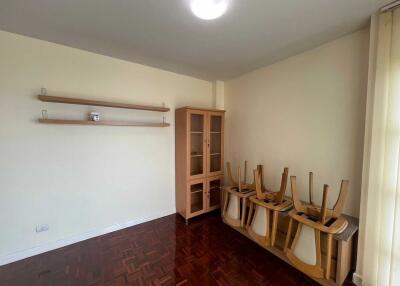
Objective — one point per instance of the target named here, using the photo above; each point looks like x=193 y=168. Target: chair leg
x=226 y=196
x=328 y=255
x=250 y=214
x=288 y=235
x=274 y=227
x=244 y=206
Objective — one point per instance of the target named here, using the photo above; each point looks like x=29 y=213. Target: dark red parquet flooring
x=161 y=252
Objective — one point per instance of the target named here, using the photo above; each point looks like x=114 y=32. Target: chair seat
x=233 y=210
x=260 y=223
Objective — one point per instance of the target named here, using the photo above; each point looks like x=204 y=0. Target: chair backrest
x=281 y=195
x=258 y=183
x=262 y=193
x=322 y=216
x=239 y=182
x=295 y=196
x=311 y=188
x=232 y=182
x=260 y=170
x=312 y=221
x=339 y=206
x=323 y=212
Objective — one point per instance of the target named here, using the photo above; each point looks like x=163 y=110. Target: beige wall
x=307 y=113
x=82 y=180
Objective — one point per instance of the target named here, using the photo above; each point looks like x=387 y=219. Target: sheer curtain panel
x=379 y=240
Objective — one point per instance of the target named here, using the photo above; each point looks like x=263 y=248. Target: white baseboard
x=357 y=279
x=19 y=255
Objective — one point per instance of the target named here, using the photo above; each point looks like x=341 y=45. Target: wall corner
x=219 y=94
x=357 y=279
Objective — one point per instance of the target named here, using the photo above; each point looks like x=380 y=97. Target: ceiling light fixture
x=209 y=9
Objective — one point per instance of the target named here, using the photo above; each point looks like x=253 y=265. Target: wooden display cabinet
x=199 y=160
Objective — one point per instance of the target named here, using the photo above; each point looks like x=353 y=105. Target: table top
x=350 y=230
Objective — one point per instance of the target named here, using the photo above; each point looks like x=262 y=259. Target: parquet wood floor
x=159 y=253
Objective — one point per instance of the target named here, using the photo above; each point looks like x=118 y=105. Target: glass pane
x=196 y=144
x=196 y=197
x=216 y=123
x=215 y=143
x=196 y=165
x=215 y=162
x=196 y=123
x=215 y=193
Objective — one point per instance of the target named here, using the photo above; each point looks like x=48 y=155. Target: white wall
x=307 y=113
x=82 y=179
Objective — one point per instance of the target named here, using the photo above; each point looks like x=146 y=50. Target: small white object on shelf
x=44 y=114
x=94 y=116
x=43 y=91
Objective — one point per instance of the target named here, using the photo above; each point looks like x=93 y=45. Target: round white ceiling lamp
x=209 y=9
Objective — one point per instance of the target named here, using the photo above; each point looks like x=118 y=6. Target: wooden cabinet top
x=202 y=109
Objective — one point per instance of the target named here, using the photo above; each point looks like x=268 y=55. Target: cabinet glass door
x=214 y=192
x=197 y=129
x=196 y=197
x=216 y=128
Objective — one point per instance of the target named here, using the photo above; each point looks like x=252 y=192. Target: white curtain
x=379 y=238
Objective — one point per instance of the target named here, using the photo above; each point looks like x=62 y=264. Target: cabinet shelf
x=102 y=123
x=80 y=101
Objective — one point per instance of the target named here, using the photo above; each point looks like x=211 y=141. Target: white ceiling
x=164 y=33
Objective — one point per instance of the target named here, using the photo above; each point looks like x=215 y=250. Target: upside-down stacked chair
x=313 y=222
x=264 y=205
x=235 y=197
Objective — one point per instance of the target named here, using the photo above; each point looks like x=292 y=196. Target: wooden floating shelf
x=102 y=123
x=81 y=101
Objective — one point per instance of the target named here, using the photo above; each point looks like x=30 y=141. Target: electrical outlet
x=42 y=227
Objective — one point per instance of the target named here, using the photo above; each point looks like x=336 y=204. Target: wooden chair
x=239 y=184
x=264 y=204
x=305 y=251
x=235 y=196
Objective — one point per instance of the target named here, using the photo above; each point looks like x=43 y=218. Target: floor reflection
x=161 y=252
